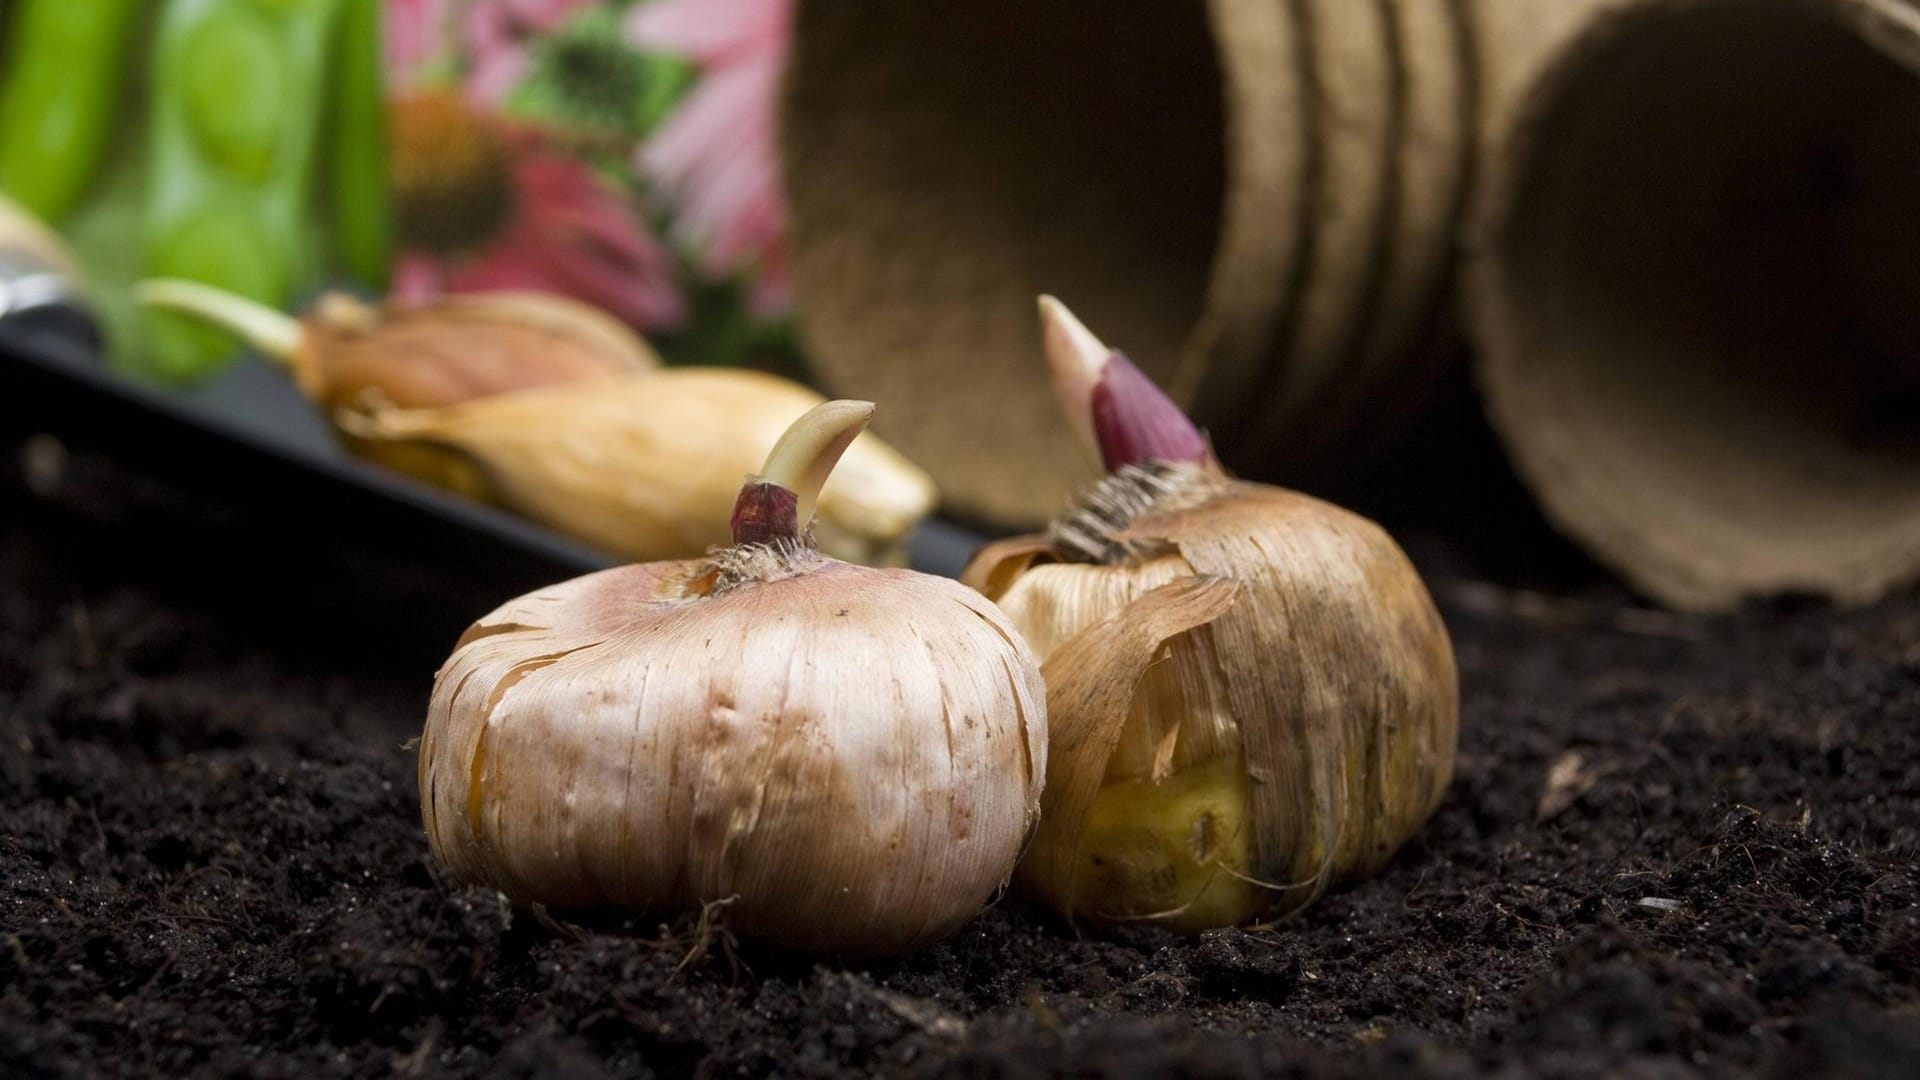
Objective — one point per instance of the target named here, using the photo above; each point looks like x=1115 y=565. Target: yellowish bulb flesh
x=1177 y=850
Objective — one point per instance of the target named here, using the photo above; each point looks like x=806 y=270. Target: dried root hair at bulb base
x=450 y=350
x=646 y=466
x=1250 y=693
x=851 y=756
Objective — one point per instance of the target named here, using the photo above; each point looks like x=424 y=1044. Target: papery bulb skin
x=853 y=755
x=1231 y=766
x=1296 y=740
x=455 y=349
x=459 y=348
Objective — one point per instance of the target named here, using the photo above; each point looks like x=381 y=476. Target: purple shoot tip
x=1117 y=412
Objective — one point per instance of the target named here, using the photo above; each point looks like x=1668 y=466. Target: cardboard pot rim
x=1611 y=500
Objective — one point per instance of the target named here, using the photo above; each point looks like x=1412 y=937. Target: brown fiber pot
x=1402 y=339
x=1695 y=286
x=1256 y=199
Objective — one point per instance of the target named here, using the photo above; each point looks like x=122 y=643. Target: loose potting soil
x=1675 y=847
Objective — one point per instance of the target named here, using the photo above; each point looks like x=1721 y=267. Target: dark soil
x=211 y=863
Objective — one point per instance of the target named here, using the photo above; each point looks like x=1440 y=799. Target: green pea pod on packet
x=237 y=98
x=359 y=227
x=60 y=81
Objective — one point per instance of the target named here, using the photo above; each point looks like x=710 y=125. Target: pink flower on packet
x=414 y=33
x=715 y=160
x=495 y=39
x=569 y=232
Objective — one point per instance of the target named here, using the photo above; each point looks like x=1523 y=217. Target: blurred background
x=619 y=155
x=1562 y=290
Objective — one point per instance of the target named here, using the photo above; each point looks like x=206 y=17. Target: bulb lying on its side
x=1225 y=760
x=854 y=755
x=453 y=349
x=645 y=466
x=554 y=410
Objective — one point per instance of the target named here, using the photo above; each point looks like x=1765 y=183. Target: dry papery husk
x=1260 y=197
x=458 y=348
x=644 y=466
x=852 y=756
x=1697 y=331
x=420 y=355
x=1202 y=633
